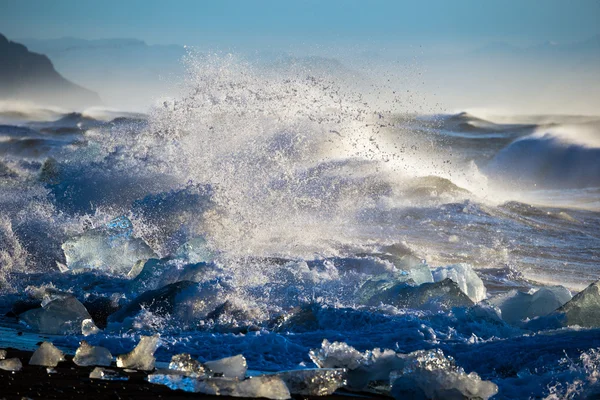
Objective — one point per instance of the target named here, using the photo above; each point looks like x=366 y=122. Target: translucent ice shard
x=87 y=355
x=88 y=327
x=429 y=374
x=107 y=374
x=230 y=367
x=111 y=247
x=363 y=369
x=142 y=357
x=517 y=306
x=314 y=382
x=184 y=363
x=467 y=279
x=265 y=386
x=583 y=309
x=57 y=317
x=160 y=301
x=11 y=364
x=438 y=295
x=47 y=355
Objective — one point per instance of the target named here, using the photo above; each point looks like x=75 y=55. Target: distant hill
x=127 y=73
x=31 y=77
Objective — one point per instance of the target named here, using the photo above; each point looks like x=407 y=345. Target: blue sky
x=197 y=22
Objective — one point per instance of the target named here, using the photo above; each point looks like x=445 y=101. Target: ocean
x=302 y=210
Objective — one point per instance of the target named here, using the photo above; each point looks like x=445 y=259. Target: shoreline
x=71 y=382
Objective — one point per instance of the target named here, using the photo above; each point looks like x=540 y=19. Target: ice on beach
x=162 y=301
x=142 y=357
x=157 y=273
x=111 y=247
x=11 y=364
x=404 y=259
x=583 y=309
x=47 y=355
x=186 y=364
x=429 y=374
x=467 y=279
x=363 y=369
x=2 y=354
x=438 y=295
x=195 y=250
x=88 y=327
x=263 y=386
x=422 y=374
x=58 y=317
x=230 y=367
x=516 y=306
x=87 y=355
x=314 y=382
x=107 y=374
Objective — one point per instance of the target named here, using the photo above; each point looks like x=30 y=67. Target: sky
x=196 y=22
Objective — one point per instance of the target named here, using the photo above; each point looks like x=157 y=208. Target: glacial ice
x=161 y=301
x=229 y=367
x=87 y=355
x=517 y=306
x=58 y=317
x=88 y=327
x=2 y=354
x=429 y=374
x=583 y=309
x=426 y=374
x=404 y=259
x=111 y=247
x=186 y=364
x=265 y=386
x=363 y=368
x=107 y=374
x=467 y=279
x=47 y=355
x=314 y=382
x=142 y=356
x=444 y=294
x=11 y=364
x=262 y=386
x=157 y=273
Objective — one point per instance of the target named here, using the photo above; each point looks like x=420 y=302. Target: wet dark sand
x=73 y=382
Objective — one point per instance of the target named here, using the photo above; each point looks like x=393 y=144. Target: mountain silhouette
x=31 y=77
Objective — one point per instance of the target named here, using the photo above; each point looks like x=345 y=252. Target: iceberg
x=142 y=356
x=111 y=247
x=47 y=355
x=423 y=374
x=262 y=386
x=157 y=273
x=62 y=316
x=582 y=310
x=160 y=301
x=314 y=382
x=229 y=367
x=87 y=355
x=444 y=294
x=516 y=306
x=11 y=364
x=107 y=374
x=184 y=363
x=88 y=327
x=467 y=279
x=363 y=369
x=429 y=374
